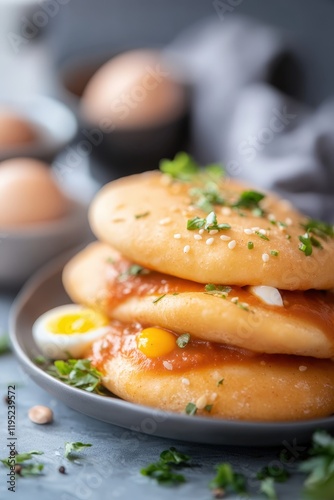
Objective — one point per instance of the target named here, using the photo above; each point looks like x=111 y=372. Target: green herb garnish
x=267 y=487
x=319 y=467
x=182 y=168
x=209 y=224
x=228 y=480
x=173 y=456
x=183 y=340
x=133 y=270
x=72 y=449
x=162 y=471
x=210 y=287
x=274 y=253
x=4 y=344
x=220 y=382
x=262 y=236
x=279 y=475
x=155 y=301
x=26 y=469
x=140 y=216
x=191 y=409
x=250 y=245
x=319 y=228
x=305 y=245
x=205 y=199
x=208 y=408
x=78 y=373
x=250 y=200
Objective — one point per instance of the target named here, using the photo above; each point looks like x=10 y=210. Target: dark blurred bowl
x=54 y=122
x=128 y=150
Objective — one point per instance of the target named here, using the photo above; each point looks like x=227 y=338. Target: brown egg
x=15 y=130
x=133 y=90
x=29 y=194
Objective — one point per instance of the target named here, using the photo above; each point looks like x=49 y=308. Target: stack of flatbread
x=220 y=297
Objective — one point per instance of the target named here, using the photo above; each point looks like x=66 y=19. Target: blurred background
x=92 y=90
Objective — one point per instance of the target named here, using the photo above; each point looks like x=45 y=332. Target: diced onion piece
x=268 y=294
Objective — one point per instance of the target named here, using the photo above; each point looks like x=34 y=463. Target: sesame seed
x=288 y=221
x=224 y=237
x=177 y=236
x=265 y=257
x=248 y=231
x=234 y=300
x=201 y=231
x=226 y=211
x=197 y=237
x=302 y=368
x=213 y=396
x=213 y=231
x=186 y=249
x=164 y=221
x=244 y=304
x=232 y=244
x=263 y=231
x=209 y=241
x=185 y=381
x=202 y=402
x=271 y=217
x=167 y=365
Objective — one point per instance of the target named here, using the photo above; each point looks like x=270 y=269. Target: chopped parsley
x=183 y=340
x=314 y=228
x=191 y=409
x=163 y=470
x=262 y=236
x=133 y=270
x=140 y=216
x=78 y=373
x=280 y=475
x=250 y=245
x=319 y=228
x=267 y=487
x=274 y=253
x=319 y=467
x=220 y=382
x=305 y=244
x=183 y=167
x=217 y=290
x=227 y=480
x=250 y=200
x=205 y=199
x=209 y=223
x=25 y=469
x=155 y=301
x=208 y=408
x=72 y=449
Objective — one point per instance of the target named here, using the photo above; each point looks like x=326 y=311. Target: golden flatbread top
x=210 y=229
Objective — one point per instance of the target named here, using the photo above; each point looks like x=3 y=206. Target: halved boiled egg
x=68 y=331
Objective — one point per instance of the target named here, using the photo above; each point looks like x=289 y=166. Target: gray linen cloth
x=247 y=111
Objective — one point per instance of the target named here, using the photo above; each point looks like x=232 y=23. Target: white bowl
x=55 y=122
x=23 y=251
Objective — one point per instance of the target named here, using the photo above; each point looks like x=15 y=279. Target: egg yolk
x=155 y=342
x=79 y=322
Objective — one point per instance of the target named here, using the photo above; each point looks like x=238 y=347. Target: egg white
x=63 y=346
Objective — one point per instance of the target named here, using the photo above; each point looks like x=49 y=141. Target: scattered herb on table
x=226 y=480
x=23 y=467
x=163 y=471
x=4 y=344
x=72 y=449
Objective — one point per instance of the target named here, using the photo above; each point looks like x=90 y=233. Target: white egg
x=267 y=294
x=68 y=331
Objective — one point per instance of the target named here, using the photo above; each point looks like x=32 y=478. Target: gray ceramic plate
x=45 y=291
